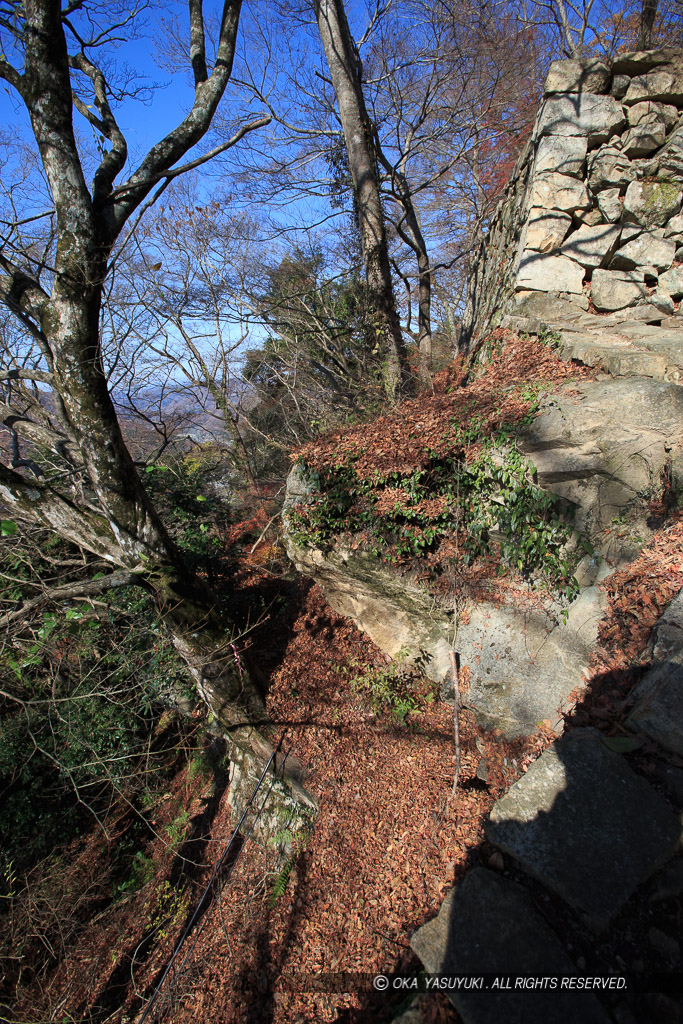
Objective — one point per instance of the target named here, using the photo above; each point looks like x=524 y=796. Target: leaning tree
x=68 y=467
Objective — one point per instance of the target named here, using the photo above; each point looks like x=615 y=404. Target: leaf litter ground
x=387 y=843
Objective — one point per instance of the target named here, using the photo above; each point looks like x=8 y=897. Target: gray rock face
x=660 y=84
x=577 y=76
x=549 y=273
x=663 y=302
x=609 y=205
x=590 y=218
x=573 y=441
x=610 y=168
x=488 y=925
x=644 y=138
x=630 y=231
x=639 y=62
x=634 y=159
x=592 y=246
x=646 y=250
x=617 y=289
x=575 y=822
x=671 y=157
x=522 y=667
x=652 y=203
x=648 y=110
x=672 y=282
x=620 y=84
x=561 y=154
x=596 y=117
x=659 y=708
x=674 y=227
x=559 y=192
x=546 y=230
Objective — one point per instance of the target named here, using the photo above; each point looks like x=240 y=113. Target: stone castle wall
x=592 y=213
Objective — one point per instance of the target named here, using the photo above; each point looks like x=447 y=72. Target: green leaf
x=8 y=528
x=622 y=744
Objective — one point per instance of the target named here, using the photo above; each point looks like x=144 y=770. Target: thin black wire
x=219 y=865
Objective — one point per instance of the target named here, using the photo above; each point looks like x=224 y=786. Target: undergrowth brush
x=448 y=467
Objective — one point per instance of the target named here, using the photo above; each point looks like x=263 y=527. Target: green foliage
x=550 y=338
x=320 y=364
x=530 y=524
x=490 y=501
x=292 y=835
x=391 y=687
x=84 y=688
x=176 y=830
x=190 y=512
x=168 y=906
x=141 y=872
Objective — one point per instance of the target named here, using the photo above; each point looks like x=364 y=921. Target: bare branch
x=192 y=164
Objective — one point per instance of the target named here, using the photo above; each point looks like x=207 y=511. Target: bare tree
x=87 y=489
x=190 y=270
x=345 y=71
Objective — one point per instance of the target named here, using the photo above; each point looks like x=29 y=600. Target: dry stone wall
x=592 y=213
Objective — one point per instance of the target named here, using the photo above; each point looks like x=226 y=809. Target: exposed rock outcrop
x=602 y=447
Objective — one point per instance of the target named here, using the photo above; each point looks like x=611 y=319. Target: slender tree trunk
x=648 y=14
x=416 y=241
x=424 y=315
x=343 y=62
x=121 y=525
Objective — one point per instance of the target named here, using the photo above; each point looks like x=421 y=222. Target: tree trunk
x=343 y=62
x=99 y=502
x=648 y=14
x=416 y=241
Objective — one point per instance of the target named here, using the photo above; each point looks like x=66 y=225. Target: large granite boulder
x=674 y=227
x=599 y=446
x=645 y=250
x=546 y=229
x=617 y=289
x=610 y=168
x=585 y=825
x=609 y=204
x=644 y=138
x=592 y=246
x=672 y=282
x=591 y=75
x=558 y=192
x=652 y=203
x=549 y=273
x=595 y=117
x=648 y=110
x=659 y=696
x=639 y=62
x=488 y=926
x=561 y=154
x=664 y=84
x=671 y=157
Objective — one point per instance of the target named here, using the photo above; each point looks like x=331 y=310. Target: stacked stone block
x=593 y=211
